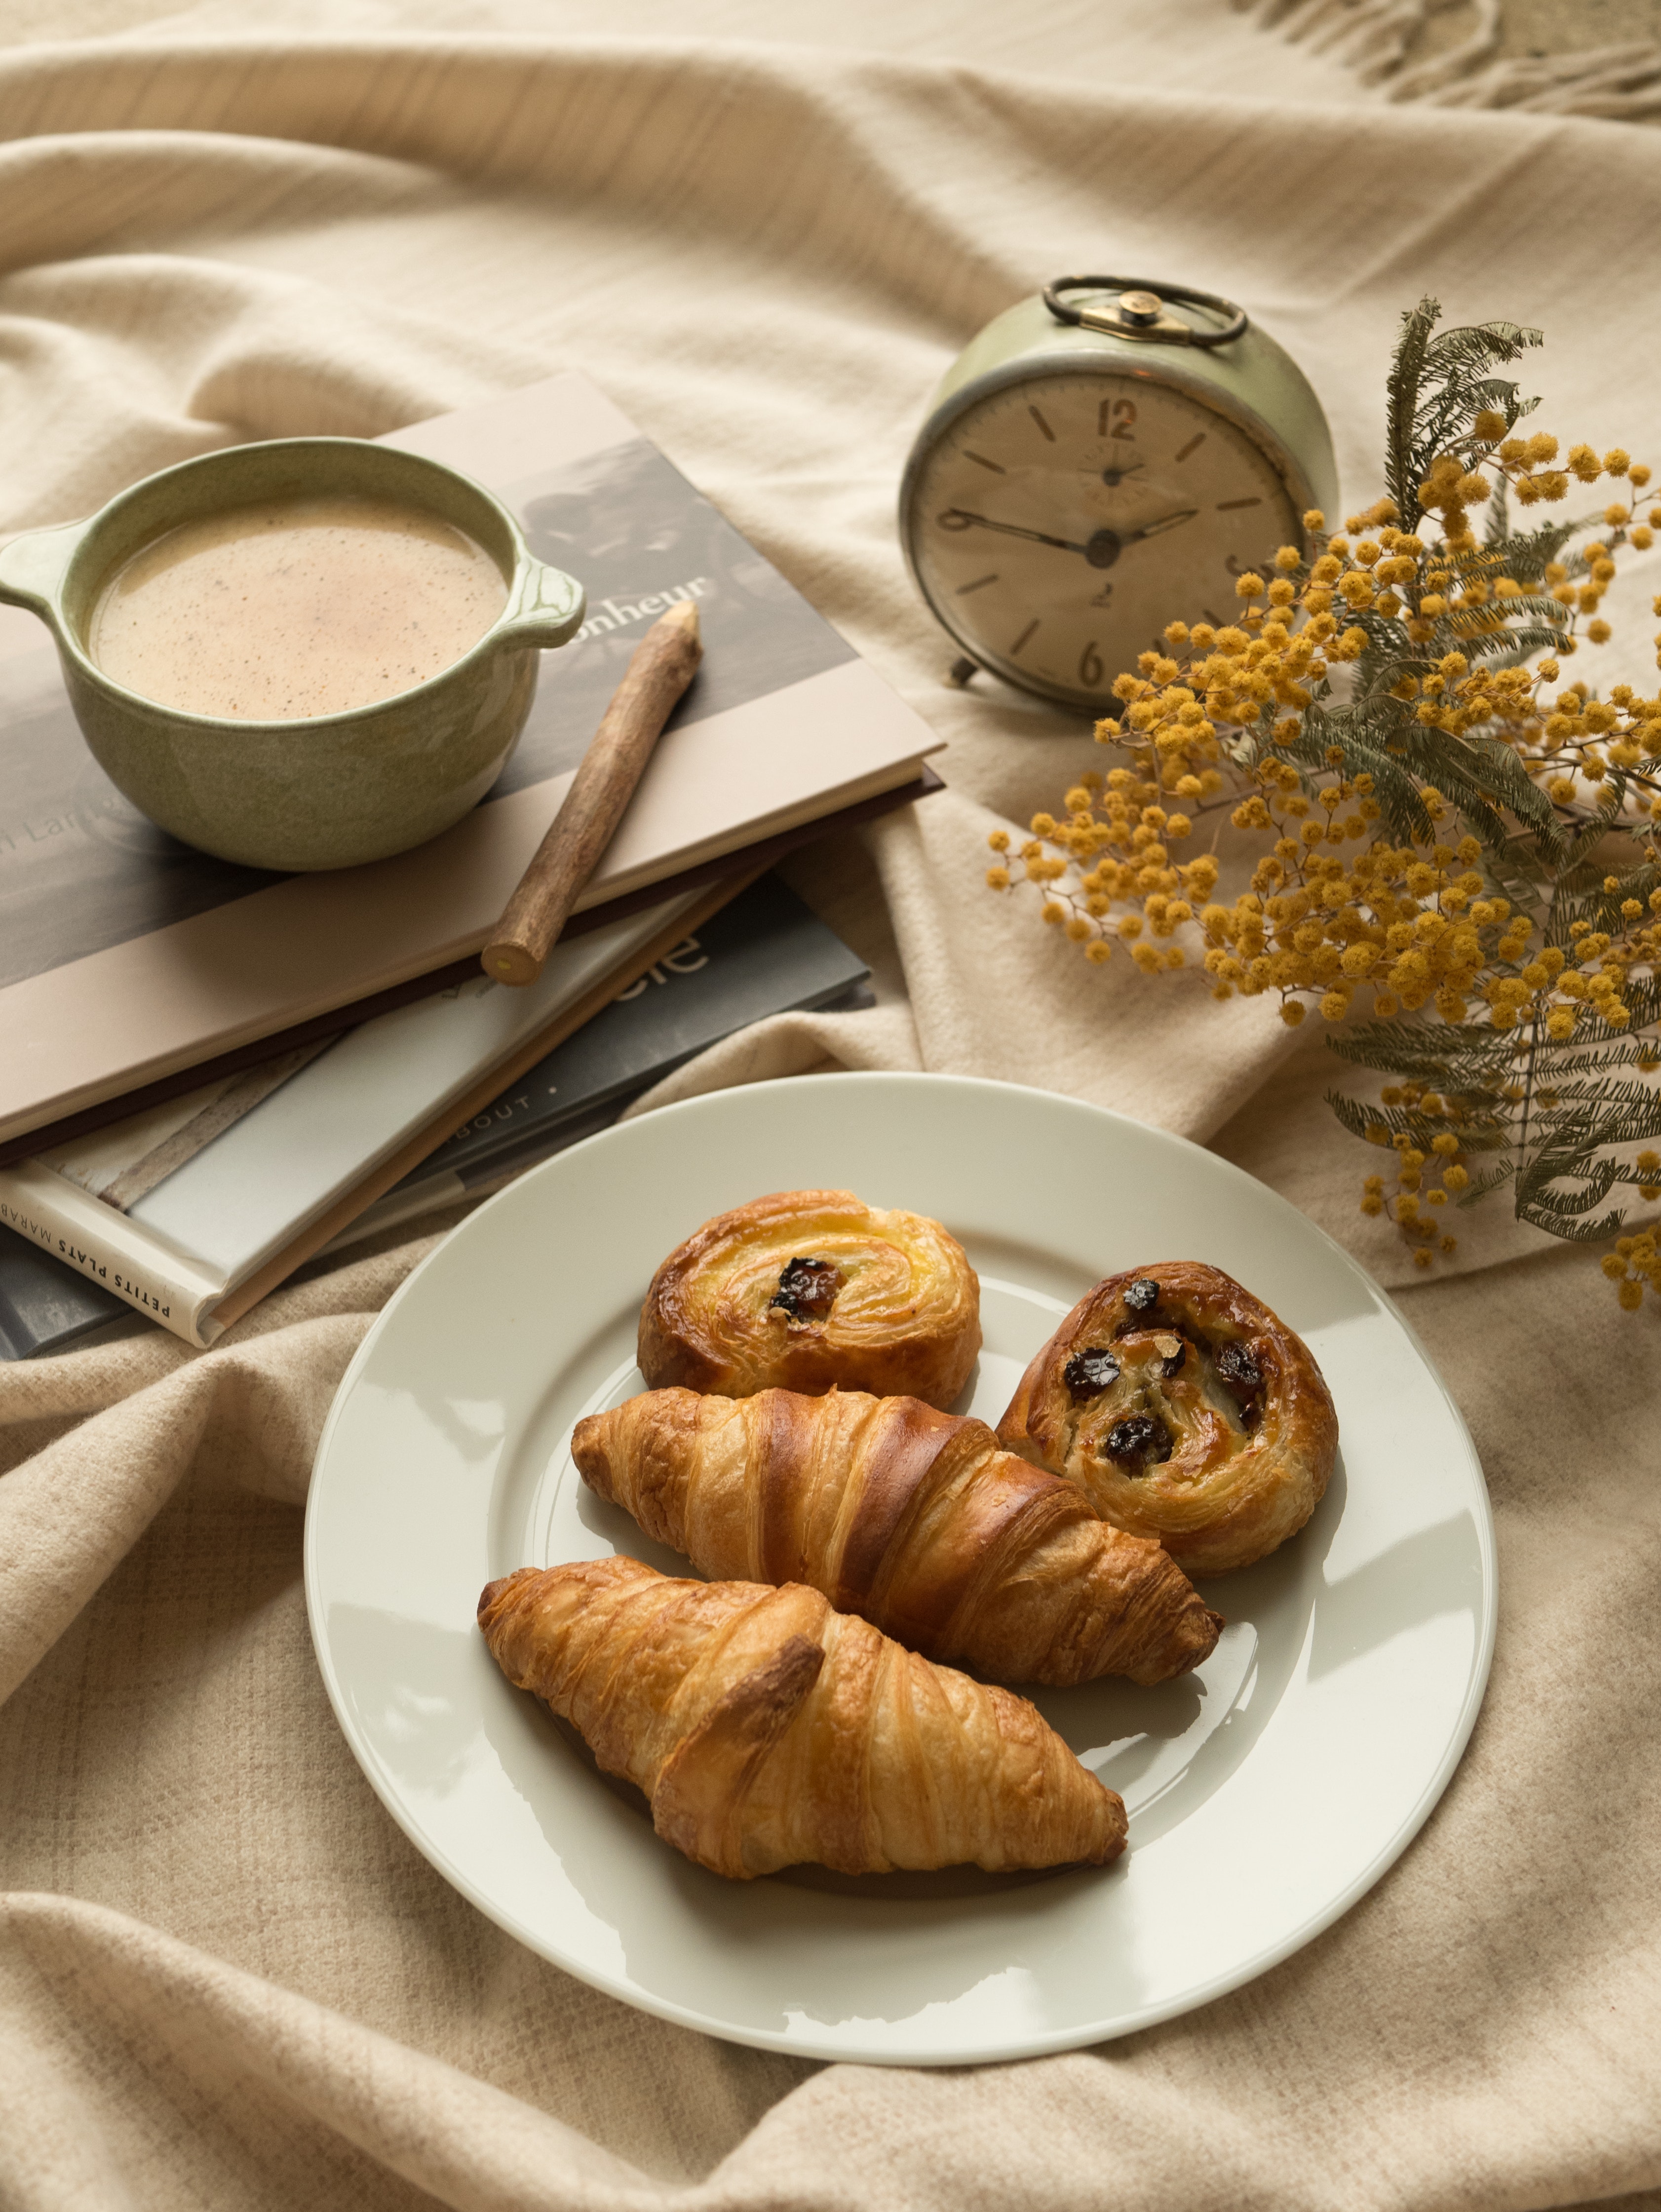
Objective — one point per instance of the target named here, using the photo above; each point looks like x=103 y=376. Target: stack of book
x=216 y=1073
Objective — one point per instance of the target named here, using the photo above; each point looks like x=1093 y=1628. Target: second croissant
x=914 y=1518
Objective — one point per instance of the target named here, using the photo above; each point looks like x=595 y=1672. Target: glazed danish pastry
x=913 y=1518
x=766 y=1729
x=1184 y=1409
x=812 y=1289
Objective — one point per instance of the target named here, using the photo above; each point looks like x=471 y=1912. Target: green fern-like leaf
x=1402 y=401
x=1438 y=385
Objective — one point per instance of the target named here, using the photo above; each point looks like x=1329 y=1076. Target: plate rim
x=1029 y=2044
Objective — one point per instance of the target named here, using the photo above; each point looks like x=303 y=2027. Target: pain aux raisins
x=1089 y=1373
x=1138 y=1444
x=807 y=1290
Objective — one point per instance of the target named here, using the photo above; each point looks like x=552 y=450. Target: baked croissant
x=1184 y=1409
x=766 y=1729
x=913 y=1518
x=812 y=1289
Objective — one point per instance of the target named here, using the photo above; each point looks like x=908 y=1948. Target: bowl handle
x=32 y=567
x=546 y=608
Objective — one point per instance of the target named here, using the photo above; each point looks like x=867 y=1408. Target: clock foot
x=960 y=672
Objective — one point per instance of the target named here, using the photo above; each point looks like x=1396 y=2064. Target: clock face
x=1060 y=524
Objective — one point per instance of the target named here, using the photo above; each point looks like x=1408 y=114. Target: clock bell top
x=1130 y=329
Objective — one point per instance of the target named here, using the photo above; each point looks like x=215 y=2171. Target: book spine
x=58 y=1216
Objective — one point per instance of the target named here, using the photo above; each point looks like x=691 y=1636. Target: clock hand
x=1166 y=522
x=1101 y=549
x=959 y=518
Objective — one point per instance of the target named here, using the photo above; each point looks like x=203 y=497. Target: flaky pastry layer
x=767 y=1730
x=911 y=1517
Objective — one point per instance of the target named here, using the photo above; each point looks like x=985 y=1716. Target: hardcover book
x=765 y=953
x=126 y=956
x=192 y=1211
x=46 y=1306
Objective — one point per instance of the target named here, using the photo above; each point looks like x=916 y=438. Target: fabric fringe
x=1376 y=38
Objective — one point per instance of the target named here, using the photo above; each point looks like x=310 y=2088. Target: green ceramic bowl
x=331 y=790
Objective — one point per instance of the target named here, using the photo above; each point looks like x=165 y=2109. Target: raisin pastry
x=913 y=1518
x=767 y=1730
x=1184 y=1409
x=810 y=1290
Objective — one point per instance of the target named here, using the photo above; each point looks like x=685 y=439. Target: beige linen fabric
x=226 y=1979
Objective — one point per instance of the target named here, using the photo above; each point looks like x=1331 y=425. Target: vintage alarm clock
x=1103 y=459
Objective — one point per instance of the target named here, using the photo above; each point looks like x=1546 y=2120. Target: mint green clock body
x=1101 y=460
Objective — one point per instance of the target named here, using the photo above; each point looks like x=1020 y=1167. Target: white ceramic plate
x=1267 y=1792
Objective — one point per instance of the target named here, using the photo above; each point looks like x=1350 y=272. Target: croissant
x=810 y=1289
x=912 y=1517
x=1184 y=1410
x=766 y=1729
